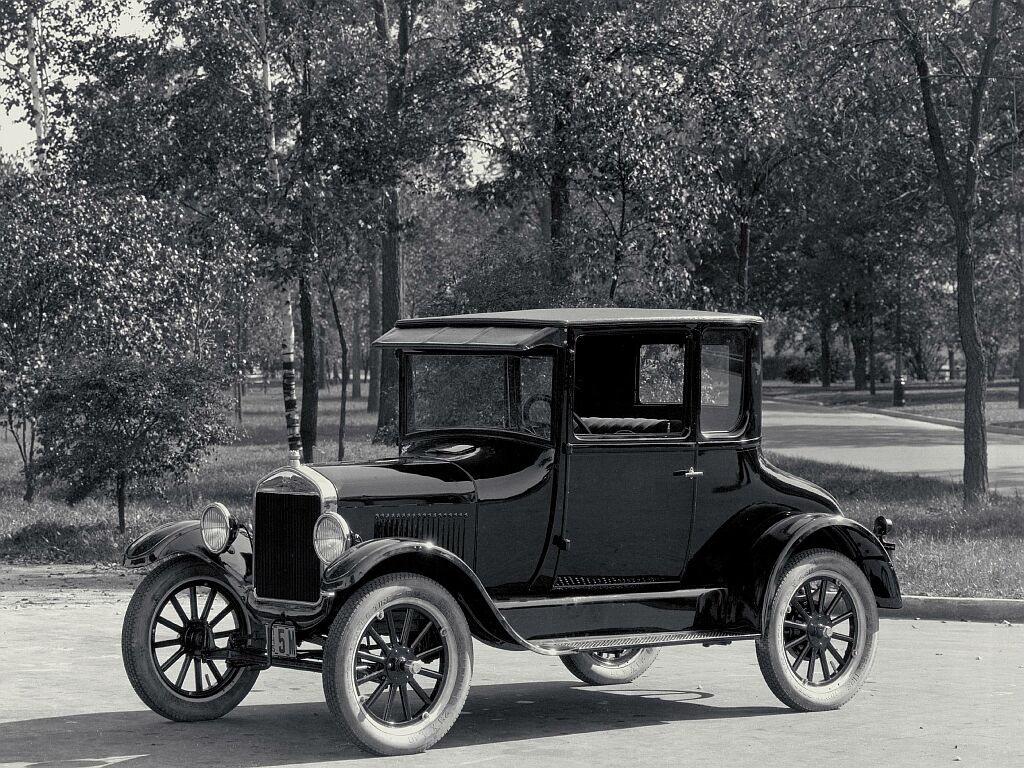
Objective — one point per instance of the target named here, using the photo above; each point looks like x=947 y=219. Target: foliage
x=733 y=154
x=117 y=421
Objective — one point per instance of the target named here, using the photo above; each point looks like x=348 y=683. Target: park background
x=183 y=181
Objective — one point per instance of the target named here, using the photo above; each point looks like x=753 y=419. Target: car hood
x=405 y=480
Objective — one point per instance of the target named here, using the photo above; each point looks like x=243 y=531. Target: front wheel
x=817 y=648
x=397 y=664
x=180 y=613
x=621 y=665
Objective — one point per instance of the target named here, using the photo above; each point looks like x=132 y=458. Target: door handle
x=691 y=472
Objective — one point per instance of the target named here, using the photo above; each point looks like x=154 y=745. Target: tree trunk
x=340 y=327
x=558 y=189
x=1020 y=306
x=357 y=359
x=288 y=380
x=310 y=368
x=30 y=482
x=898 y=362
x=373 y=384
x=391 y=247
x=122 y=499
x=391 y=299
x=975 y=439
x=743 y=260
x=860 y=361
x=267 y=106
x=872 y=368
x=825 y=336
x=40 y=113
x=239 y=373
x=322 y=372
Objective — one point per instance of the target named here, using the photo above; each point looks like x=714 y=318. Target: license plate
x=282 y=641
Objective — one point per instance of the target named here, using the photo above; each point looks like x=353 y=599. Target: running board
x=566 y=645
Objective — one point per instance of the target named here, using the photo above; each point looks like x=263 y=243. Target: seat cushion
x=600 y=425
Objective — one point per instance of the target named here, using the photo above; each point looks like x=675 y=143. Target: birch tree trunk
x=40 y=113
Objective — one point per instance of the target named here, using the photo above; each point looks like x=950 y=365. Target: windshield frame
x=405 y=379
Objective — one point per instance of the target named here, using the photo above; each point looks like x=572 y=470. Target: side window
x=723 y=357
x=661 y=374
x=629 y=385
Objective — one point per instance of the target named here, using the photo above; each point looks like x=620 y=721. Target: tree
x=117 y=422
x=40 y=43
x=969 y=42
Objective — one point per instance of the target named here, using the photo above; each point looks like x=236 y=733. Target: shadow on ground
x=300 y=733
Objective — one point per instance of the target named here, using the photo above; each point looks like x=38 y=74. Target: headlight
x=218 y=528
x=330 y=537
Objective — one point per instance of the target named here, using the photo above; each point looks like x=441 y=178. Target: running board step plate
x=566 y=645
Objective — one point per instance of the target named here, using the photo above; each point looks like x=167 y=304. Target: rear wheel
x=620 y=665
x=181 y=612
x=817 y=648
x=397 y=664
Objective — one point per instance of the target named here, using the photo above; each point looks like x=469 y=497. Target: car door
x=628 y=499
x=726 y=453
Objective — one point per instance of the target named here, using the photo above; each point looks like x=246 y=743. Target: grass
x=939 y=399
x=941 y=550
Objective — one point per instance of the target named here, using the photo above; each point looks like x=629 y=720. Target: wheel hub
x=195 y=636
x=402 y=664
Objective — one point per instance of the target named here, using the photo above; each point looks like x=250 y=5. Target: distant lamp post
x=899 y=391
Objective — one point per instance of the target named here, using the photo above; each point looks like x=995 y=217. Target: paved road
x=939 y=692
x=874 y=441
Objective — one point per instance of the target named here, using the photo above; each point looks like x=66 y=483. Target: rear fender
x=185 y=538
x=848 y=537
x=378 y=557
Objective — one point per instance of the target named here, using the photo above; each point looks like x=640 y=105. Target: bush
x=800 y=373
x=113 y=422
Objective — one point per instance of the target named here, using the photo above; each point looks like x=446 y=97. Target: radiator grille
x=445 y=529
x=285 y=566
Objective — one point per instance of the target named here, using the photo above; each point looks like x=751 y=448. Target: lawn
x=941 y=550
x=939 y=399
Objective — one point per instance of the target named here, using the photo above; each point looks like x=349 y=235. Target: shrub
x=800 y=373
x=112 y=422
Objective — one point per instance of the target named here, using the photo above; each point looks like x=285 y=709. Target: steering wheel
x=583 y=428
x=537 y=427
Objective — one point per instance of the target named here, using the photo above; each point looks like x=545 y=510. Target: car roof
x=578 y=318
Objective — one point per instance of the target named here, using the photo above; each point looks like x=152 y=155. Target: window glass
x=536 y=377
x=628 y=385
x=661 y=373
x=723 y=358
x=479 y=392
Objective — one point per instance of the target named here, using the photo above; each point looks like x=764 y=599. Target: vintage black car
x=582 y=483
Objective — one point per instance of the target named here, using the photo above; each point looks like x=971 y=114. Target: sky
x=15 y=134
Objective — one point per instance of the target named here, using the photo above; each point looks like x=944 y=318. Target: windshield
x=507 y=392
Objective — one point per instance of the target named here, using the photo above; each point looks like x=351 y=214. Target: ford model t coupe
x=580 y=483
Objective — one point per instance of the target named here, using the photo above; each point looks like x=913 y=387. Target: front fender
x=185 y=538
x=847 y=536
x=380 y=556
